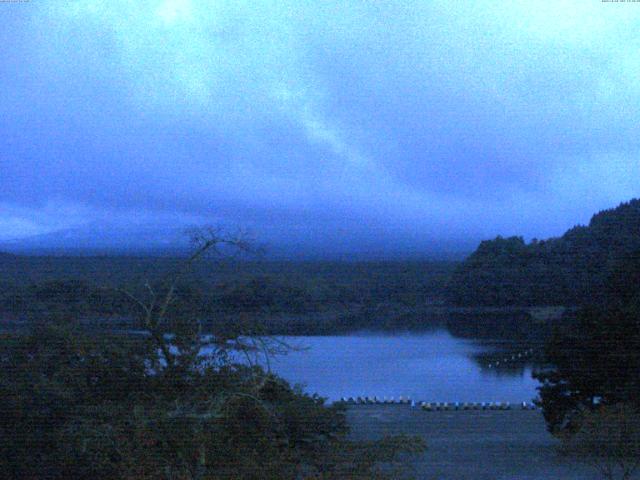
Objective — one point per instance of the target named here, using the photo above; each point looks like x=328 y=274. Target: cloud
x=390 y=120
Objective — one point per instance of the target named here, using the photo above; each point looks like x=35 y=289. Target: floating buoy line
x=436 y=406
x=515 y=357
x=451 y=406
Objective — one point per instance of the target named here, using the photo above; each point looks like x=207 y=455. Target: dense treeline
x=590 y=387
x=295 y=298
x=569 y=270
x=321 y=281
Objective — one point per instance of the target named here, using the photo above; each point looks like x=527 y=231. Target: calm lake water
x=431 y=366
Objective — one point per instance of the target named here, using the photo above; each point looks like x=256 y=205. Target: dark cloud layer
x=340 y=126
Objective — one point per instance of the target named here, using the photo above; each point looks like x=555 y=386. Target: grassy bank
x=473 y=445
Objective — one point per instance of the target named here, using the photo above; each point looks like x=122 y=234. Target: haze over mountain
x=168 y=240
x=327 y=129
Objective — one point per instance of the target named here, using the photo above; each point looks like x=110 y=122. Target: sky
x=333 y=127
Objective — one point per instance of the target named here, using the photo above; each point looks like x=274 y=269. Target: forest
x=569 y=270
x=318 y=297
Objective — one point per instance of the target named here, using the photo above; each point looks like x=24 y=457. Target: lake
x=432 y=366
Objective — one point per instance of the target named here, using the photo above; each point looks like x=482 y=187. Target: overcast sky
x=346 y=125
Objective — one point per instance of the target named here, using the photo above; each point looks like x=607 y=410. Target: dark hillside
x=569 y=270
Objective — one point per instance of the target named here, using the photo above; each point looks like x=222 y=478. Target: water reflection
x=508 y=359
x=430 y=366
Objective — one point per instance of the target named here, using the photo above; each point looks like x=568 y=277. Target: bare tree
x=175 y=324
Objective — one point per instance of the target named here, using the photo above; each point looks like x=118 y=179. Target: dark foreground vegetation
x=590 y=381
x=590 y=388
x=98 y=405
x=595 y=359
x=74 y=406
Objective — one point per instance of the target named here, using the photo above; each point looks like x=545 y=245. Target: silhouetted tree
x=609 y=439
x=104 y=406
x=596 y=360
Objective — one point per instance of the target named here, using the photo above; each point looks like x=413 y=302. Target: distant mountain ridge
x=169 y=240
x=569 y=270
x=103 y=239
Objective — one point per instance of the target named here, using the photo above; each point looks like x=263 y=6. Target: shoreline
x=472 y=444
